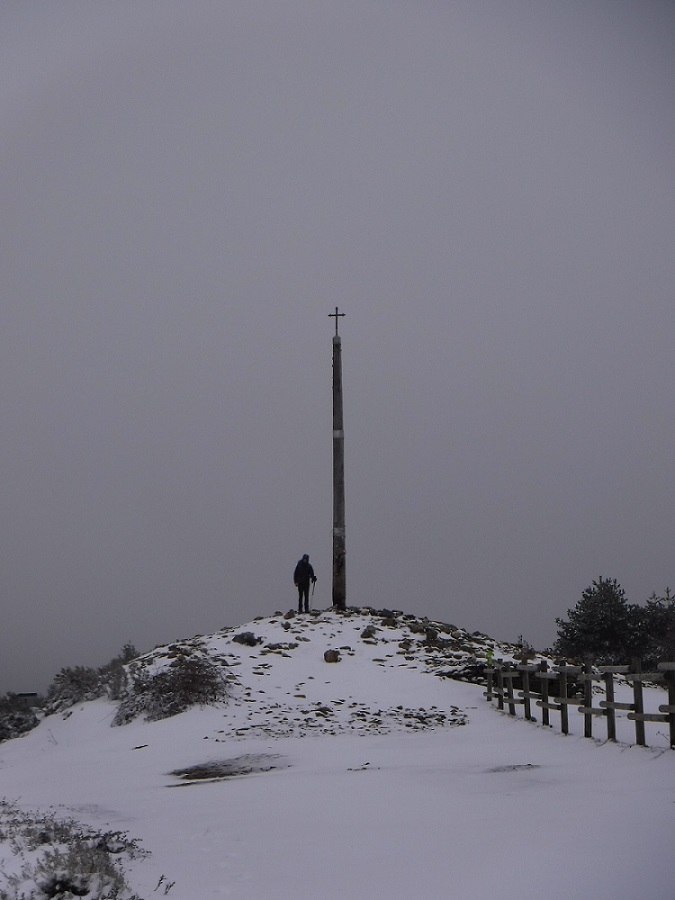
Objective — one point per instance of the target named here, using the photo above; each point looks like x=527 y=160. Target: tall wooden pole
x=339 y=573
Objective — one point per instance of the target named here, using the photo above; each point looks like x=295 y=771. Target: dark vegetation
x=62 y=858
x=74 y=685
x=605 y=626
x=15 y=718
x=189 y=680
x=19 y=713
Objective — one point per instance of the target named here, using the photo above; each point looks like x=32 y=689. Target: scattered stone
x=332 y=656
x=277 y=648
x=247 y=638
x=474 y=674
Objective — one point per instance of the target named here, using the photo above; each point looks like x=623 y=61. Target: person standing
x=303 y=574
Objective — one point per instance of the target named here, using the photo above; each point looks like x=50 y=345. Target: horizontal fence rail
x=556 y=689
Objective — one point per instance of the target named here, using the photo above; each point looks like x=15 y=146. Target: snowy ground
x=369 y=777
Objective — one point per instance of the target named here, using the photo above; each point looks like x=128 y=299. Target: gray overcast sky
x=187 y=189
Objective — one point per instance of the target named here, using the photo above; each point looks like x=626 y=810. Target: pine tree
x=602 y=625
x=658 y=623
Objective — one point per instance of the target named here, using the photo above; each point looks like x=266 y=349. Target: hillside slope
x=364 y=777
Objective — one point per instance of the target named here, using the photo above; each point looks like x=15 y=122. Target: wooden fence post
x=607 y=707
x=588 y=700
x=609 y=703
x=564 y=700
x=490 y=675
x=610 y=712
x=510 y=674
x=500 y=686
x=669 y=709
x=638 y=704
x=543 y=681
x=562 y=692
x=527 y=707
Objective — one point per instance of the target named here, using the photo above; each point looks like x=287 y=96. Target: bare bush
x=60 y=858
x=187 y=681
x=73 y=685
x=81 y=683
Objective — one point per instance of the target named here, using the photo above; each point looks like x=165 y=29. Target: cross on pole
x=336 y=315
x=339 y=575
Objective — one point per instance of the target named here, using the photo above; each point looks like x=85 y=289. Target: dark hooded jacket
x=304 y=573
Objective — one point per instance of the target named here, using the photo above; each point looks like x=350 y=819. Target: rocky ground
x=270 y=667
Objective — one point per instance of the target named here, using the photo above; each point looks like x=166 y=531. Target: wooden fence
x=562 y=687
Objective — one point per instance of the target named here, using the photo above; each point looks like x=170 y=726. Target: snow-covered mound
x=337 y=765
x=323 y=671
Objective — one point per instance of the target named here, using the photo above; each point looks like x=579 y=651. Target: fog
x=189 y=189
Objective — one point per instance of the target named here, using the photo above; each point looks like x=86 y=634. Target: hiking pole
x=313 y=586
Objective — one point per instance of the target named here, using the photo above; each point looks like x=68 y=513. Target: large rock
x=247 y=638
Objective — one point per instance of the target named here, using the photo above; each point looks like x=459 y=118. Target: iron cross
x=335 y=316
